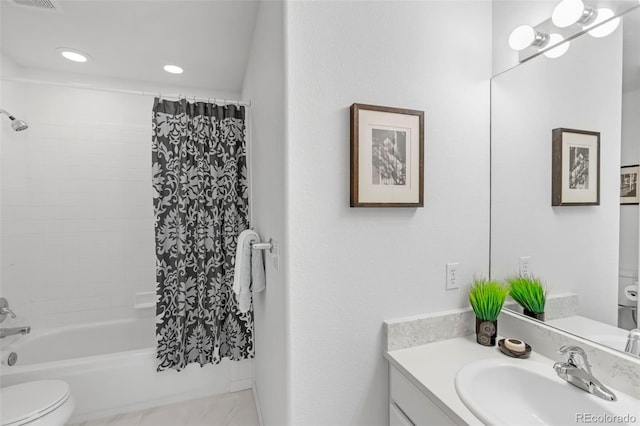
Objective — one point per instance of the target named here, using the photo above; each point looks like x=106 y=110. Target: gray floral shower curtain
x=201 y=205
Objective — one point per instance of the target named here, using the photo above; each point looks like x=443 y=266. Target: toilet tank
x=625 y=279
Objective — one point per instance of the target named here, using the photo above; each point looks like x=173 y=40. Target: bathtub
x=111 y=368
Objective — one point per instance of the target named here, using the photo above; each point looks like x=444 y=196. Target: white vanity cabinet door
x=412 y=405
x=397 y=418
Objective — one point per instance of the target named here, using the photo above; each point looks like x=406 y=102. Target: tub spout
x=4 y=332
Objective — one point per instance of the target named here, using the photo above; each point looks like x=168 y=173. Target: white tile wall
x=77 y=211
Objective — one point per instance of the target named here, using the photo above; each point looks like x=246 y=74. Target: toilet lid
x=28 y=401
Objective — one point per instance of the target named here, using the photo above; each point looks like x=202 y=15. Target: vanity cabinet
x=410 y=407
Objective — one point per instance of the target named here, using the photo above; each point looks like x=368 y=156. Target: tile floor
x=230 y=409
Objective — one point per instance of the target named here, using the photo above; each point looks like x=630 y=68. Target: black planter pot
x=486 y=332
x=534 y=315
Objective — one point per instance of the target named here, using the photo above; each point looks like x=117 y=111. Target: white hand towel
x=249 y=269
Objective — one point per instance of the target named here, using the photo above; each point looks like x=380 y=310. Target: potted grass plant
x=529 y=293
x=487 y=298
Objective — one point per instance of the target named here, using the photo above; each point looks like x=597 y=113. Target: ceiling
x=134 y=39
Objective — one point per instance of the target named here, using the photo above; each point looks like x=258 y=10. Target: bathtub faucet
x=4 y=332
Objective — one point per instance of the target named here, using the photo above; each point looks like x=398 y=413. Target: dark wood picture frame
x=374 y=183
x=630 y=199
x=572 y=182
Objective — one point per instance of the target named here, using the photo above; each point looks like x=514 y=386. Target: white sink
x=524 y=392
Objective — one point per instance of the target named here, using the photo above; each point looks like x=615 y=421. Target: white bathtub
x=111 y=368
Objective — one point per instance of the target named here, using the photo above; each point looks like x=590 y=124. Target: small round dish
x=512 y=354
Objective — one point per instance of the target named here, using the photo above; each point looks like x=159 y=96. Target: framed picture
x=387 y=157
x=575 y=168
x=629 y=184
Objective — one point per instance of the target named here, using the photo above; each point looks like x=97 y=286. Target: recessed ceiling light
x=73 y=54
x=173 y=69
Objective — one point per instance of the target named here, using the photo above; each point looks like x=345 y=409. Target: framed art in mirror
x=575 y=168
x=629 y=184
x=387 y=157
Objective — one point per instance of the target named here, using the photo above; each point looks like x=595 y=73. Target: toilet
x=39 y=403
x=627 y=306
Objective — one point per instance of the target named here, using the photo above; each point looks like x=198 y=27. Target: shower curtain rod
x=129 y=92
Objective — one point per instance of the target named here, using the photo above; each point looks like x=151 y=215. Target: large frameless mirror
x=586 y=250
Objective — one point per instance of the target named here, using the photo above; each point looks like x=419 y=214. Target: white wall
x=572 y=248
x=264 y=86
x=630 y=155
x=351 y=268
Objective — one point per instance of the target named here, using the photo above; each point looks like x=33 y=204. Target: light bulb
x=604 y=29
x=521 y=37
x=567 y=13
x=525 y=36
x=559 y=50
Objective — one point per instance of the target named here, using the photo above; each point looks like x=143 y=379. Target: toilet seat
x=30 y=401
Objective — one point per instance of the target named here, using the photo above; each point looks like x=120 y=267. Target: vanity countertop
x=583 y=326
x=432 y=368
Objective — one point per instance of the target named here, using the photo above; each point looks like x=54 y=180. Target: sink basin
x=525 y=392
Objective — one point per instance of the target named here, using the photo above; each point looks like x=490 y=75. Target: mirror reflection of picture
x=629 y=184
x=575 y=167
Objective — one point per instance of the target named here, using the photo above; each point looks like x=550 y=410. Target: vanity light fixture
x=557 y=51
x=570 y=18
x=570 y=12
x=606 y=28
x=526 y=36
x=73 y=54
x=173 y=69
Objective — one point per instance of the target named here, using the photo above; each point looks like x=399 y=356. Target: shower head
x=19 y=125
x=16 y=124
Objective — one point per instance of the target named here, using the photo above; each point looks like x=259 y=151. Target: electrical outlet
x=275 y=256
x=452 y=276
x=525 y=270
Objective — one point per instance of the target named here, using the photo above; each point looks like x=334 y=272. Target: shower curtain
x=201 y=205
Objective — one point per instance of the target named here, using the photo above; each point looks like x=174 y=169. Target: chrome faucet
x=577 y=371
x=5 y=332
x=4 y=309
x=633 y=342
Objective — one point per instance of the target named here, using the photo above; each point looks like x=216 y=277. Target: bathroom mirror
x=591 y=250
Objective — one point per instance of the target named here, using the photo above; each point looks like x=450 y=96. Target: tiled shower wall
x=76 y=208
